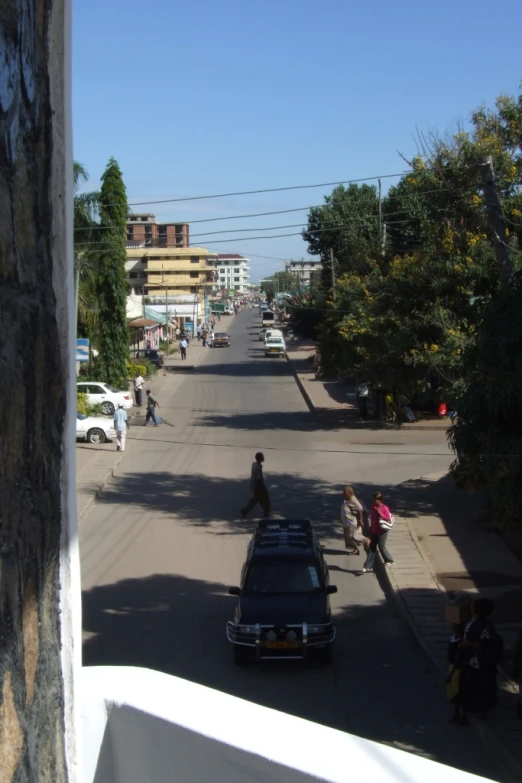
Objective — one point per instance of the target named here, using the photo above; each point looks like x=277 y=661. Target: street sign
x=231 y=292
x=82 y=349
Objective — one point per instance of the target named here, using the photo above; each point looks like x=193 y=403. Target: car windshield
x=221 y=334
x=282 y=577
x=80 y=416
x=274 y=341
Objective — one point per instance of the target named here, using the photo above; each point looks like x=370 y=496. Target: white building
x=233 y=272
x=303 y=270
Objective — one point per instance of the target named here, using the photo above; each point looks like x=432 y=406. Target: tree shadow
x=378 y=687
x=214 y=503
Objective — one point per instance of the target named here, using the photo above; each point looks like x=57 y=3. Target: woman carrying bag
x=381 y=522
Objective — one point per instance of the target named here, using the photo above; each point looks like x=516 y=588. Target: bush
x=146 y=368
x=133 y=367
x=84 y=407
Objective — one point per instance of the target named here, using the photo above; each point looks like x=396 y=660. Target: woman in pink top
x=378 y=535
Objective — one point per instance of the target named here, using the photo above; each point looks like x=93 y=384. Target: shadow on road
x=177 y=625
x=264 y=420
x=203 y=501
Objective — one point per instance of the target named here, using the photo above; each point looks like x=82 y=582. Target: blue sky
x=215 y=96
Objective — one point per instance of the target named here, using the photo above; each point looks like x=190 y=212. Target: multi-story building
x=303 y=270
x=144 y=231
x=183 y=278
x=233 y=272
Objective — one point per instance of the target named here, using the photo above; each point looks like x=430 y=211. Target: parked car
x=221 y=340
x=108 y=397
x=262 y=334
x=94 y=429
x=283 y=608
x=152 y=355
x=275 y=346
x=228 y=311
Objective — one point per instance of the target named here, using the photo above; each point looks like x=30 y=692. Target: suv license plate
x=282 y=645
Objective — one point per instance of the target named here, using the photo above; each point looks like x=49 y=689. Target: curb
x=482 y=730
x=99 y=489
x=323 y=414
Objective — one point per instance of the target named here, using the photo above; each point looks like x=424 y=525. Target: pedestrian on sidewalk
x=212 y=338
x=352 y=521
x=138 y=389
x=381 y=522
x=453 y=678
x=183 y=345
x=121 y=423
x=257 y=488
x=517 y=672
x=363 y=392
x=152 y=404
x=198 y=331
x=479 y=652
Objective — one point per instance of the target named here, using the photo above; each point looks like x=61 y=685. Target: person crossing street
x=152 y=404
x=258 y=489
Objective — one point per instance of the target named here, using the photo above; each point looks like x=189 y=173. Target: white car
x=275 y=346
x=108 y=397
x=94 y=429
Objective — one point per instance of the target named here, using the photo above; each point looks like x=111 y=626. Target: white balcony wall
x=141 y=725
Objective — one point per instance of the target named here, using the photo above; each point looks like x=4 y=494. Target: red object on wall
x=442 y=409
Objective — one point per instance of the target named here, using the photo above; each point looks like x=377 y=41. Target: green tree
x=111 y=284
x=348 y=222
x=86 y=237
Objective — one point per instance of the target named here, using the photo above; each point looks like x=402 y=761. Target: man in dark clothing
x=152 y=404
x=258 y=489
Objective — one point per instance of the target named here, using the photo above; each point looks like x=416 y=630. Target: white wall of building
x=142 y=725
x=233 y=274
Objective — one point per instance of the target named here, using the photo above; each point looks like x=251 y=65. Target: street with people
x=167 y=538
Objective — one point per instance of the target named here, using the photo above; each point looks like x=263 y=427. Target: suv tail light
x=126 y=397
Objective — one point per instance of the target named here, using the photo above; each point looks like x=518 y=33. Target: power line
x=263 y=214
x=260 y=190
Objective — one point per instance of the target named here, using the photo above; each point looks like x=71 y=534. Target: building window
x=194 y=259
x=193 y=289
x=194 y=274
x=133 y=275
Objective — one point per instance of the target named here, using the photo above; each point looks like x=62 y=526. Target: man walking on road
x=152 y=404
x=352 y=521
x=138 y=389
x=183 y=345
x=258 y=489
x=120 y=425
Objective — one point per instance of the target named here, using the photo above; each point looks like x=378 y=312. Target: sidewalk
x=95 y=465
x=438 y=549
x=330 y=403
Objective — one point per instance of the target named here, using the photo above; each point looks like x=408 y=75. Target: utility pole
x=332 y=270
x=164 y=279
x=381 y=241
x=497 y=225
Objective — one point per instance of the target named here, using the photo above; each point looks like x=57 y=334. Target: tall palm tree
x=86 y=240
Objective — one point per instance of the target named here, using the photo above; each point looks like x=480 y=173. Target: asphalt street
x=166 y=540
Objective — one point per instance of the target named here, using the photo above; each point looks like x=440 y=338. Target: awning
x=140 y=323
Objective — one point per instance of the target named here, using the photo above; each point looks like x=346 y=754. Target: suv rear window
x=281 y=578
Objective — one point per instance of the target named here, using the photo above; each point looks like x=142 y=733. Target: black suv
x=283 y=608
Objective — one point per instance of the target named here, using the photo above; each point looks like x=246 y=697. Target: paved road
x=162 y=547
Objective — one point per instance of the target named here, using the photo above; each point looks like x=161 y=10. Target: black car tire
x=241 y=655
x=96 y=435
x=107 y=408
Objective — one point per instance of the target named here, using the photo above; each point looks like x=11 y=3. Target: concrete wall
x=39 y=570
x=140 y=725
